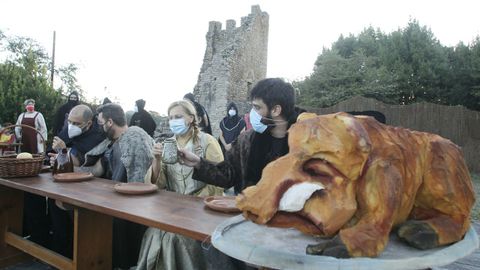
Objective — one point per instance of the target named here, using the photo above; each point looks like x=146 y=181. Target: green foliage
x=405 y=66
x=24 y=73
x=68 y=77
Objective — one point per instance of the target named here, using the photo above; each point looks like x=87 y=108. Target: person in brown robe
x=32 y=141
x=36 y=222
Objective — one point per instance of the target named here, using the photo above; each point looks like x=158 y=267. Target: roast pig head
x=357 y=179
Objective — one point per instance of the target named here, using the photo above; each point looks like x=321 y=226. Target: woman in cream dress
x=165 y=250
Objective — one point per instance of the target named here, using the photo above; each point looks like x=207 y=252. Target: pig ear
x=357 y=130
x=305 y=116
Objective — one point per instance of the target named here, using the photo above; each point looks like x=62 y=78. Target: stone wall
x=235 y=59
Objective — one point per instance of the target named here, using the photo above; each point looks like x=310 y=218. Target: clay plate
x=72 y=177
x=45 y=168
x=222 y=203
x=135 y=188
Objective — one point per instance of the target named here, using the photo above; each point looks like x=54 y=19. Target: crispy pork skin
x=357 y=179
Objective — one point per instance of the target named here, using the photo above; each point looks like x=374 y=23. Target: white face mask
x=74 y=131
x=232 y=112
x=135 y=109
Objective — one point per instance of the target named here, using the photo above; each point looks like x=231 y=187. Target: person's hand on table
x=188 y=158
x=58 y=143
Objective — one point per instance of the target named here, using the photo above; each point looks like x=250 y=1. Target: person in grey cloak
x=125 y=155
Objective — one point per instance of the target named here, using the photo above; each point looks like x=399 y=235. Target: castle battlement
x=235 y=59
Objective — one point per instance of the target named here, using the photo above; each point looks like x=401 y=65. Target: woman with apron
x=35 y=219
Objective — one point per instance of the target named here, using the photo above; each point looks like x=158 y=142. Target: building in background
x=235 y=59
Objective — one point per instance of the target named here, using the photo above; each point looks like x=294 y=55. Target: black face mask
x=73 y=102
x=268 y=120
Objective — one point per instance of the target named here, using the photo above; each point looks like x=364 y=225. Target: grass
x=476 y=187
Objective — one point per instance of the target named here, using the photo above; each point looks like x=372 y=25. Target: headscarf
x=231 y=126
x=72 y=102
x=200 y=113
x=106 y=101
x=231 y=121
x=140 y=104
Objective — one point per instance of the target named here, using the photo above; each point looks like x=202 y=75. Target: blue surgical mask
x=255 y=120
x=178 y=126
x=232 y=112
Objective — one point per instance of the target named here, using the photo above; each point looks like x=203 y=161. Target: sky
x=127 y=50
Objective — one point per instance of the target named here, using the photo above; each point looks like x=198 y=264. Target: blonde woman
x=164 y=250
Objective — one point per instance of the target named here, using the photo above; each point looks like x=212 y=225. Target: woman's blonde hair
x=189 y=109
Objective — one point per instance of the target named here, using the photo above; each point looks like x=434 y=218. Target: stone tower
x=235 y=59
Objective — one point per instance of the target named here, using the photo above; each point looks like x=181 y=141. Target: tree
x=405 y=66
x=24 y=74
x=475 y=71
x=465 y=74
x=68 y=77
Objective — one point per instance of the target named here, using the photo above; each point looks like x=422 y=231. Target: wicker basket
x=10 y=166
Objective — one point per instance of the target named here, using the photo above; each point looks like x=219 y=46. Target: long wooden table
x=95 y=203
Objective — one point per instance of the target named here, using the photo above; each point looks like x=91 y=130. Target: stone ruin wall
x=235 y=60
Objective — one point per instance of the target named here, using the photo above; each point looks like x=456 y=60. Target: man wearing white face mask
x=273 y=112
x=81 y=134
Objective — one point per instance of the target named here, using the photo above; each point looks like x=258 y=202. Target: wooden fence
x=460 y=125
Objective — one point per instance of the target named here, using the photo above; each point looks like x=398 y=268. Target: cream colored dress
x=165 y=250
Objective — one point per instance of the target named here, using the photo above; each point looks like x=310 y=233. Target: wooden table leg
x=92 y=240
x=11 y=218
x=11 y=208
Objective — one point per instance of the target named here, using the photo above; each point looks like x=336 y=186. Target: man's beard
x=73 y=102
x=110 y=133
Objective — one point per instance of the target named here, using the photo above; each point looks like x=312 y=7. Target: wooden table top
x=169 y=211
x=10 y=144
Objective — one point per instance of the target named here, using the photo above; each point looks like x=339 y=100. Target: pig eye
x=317 y=168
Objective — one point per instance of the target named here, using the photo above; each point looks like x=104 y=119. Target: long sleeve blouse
x=178 y=178
x=40 y=125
